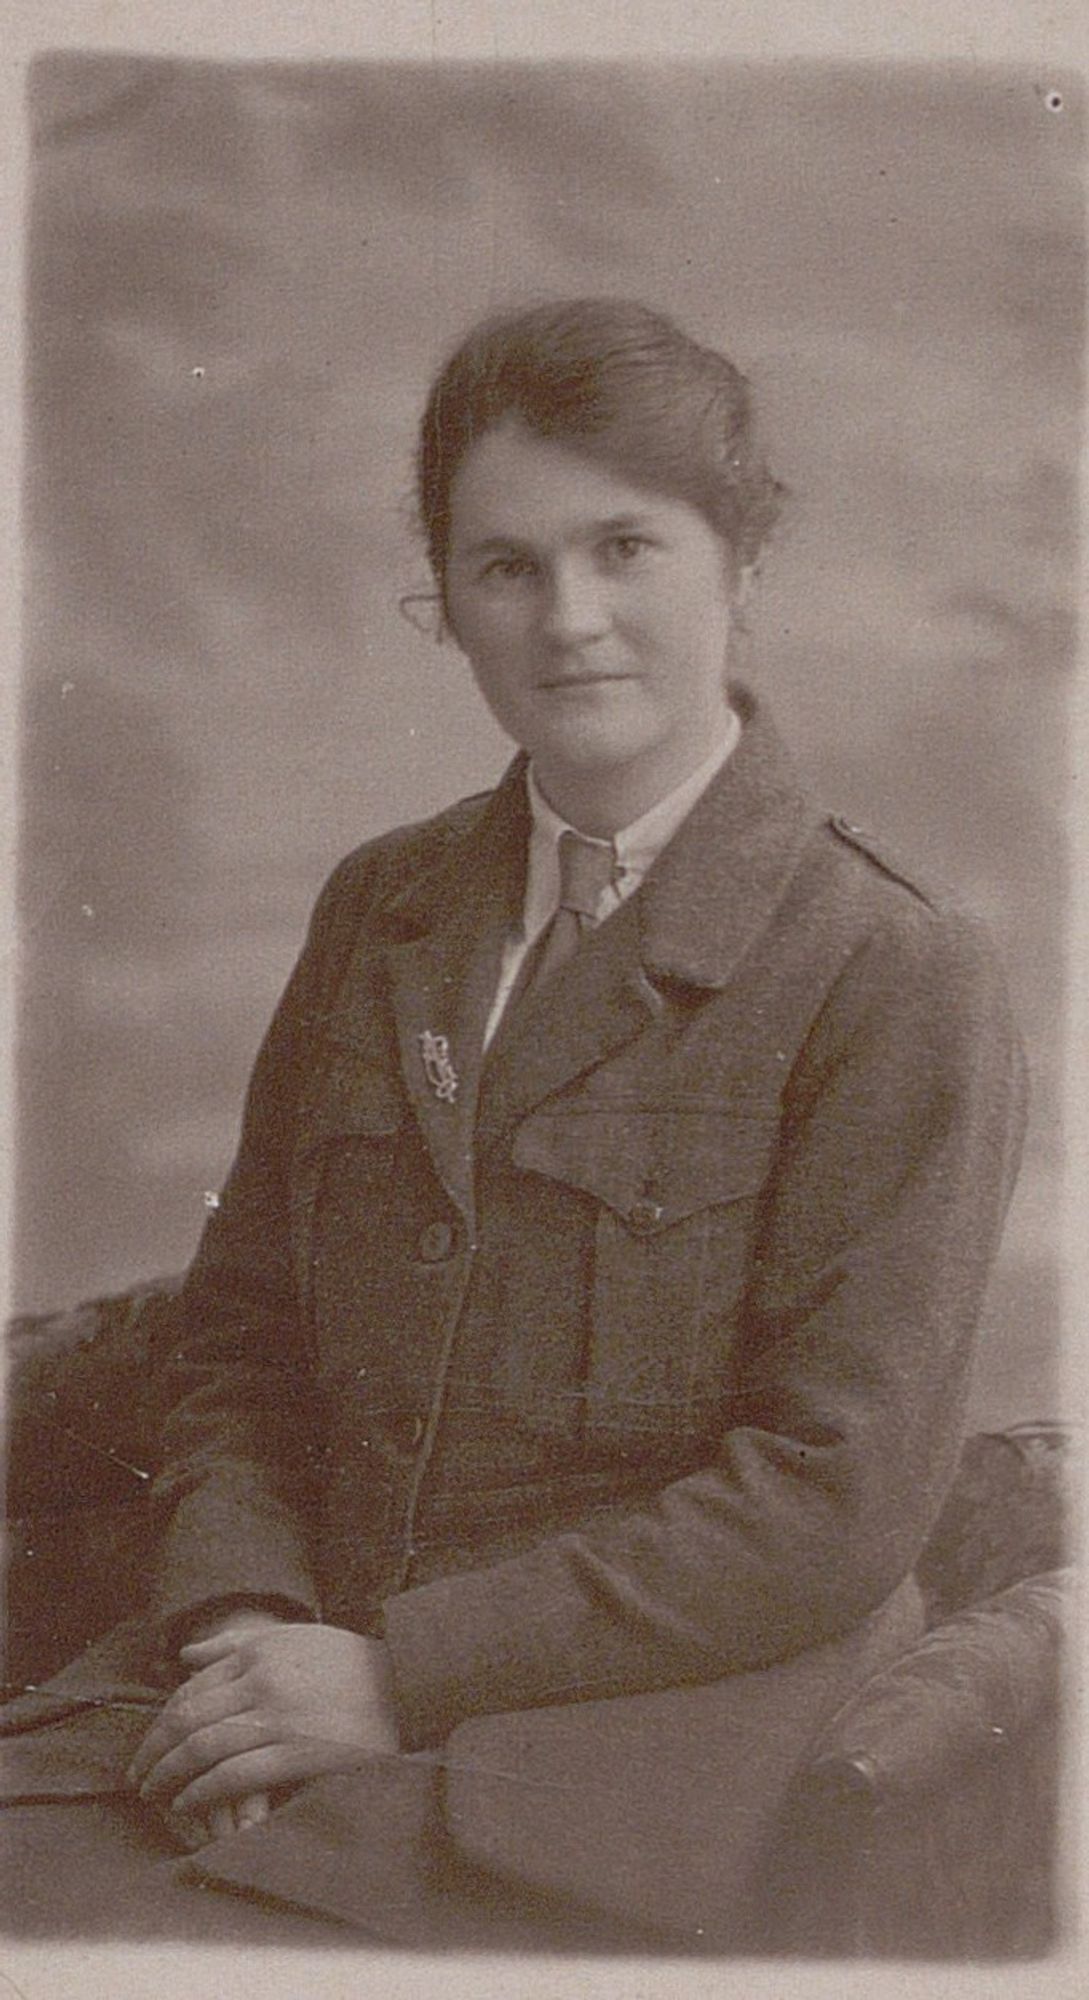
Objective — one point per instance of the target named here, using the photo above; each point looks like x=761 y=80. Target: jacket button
x=644 y=1216
x=436 y=1242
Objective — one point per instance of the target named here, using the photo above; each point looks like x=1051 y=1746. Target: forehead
x=515 y=486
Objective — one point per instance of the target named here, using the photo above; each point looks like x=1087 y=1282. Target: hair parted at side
x=619 y=382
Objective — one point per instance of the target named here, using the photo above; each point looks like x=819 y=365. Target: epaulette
x=867 y=843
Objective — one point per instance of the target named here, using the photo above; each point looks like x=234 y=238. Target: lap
x=101 y=1869
x=657 y=1805
x=666 y=1803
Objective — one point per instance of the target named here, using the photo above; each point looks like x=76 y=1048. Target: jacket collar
x=721 y=878
x=701 y=905
x=480 y=872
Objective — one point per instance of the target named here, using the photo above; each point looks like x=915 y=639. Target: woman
x=588 y=1313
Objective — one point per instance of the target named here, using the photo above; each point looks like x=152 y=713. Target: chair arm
x=83 y=1401
x=1006 y=1517
x=969 y=1688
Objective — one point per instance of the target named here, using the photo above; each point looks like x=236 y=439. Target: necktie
x=587 y=868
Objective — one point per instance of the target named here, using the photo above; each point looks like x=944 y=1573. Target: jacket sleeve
x=901 y=1133
x=241 y=1453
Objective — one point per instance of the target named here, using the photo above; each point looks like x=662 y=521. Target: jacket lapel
x=596 y=1003
x=442 y=976
x=711 y=893
x=718 y=884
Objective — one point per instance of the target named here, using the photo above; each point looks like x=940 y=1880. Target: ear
x=423 y=610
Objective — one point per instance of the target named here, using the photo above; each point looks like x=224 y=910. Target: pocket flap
x=652 y=1167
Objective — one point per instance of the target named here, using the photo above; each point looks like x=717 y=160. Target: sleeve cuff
x=180 y=1629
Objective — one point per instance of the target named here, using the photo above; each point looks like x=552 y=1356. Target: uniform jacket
x=640 y=1360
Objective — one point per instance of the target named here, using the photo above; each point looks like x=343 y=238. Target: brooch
x=441 y=1074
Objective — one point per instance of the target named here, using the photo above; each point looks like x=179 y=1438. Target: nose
x=576 y=607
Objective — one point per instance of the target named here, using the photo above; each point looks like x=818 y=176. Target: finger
x=200 y=1829
x=185 y=1713
x=232 y=1634
x=227 y=1668
x=252 y=1811
x=235 y=1626
x=261 y=1770
x=205 y=1748
x=205 y=1652
x=183 y=1719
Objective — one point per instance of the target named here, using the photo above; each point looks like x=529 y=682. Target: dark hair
x=623 y=384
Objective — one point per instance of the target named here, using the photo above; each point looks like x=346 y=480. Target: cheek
x=471 y=621
x=494 y=660
x=493 y=638
x=688 y=638
x=492 y=685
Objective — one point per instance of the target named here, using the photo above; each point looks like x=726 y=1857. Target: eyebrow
x=614 y=524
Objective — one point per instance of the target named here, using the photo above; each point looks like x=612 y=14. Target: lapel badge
x=441 y=1074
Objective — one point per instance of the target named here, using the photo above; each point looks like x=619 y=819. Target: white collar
x=635 y=847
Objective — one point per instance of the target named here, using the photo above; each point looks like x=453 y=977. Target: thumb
x=204 y=1652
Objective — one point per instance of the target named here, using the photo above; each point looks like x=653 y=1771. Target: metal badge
x=441 y=1074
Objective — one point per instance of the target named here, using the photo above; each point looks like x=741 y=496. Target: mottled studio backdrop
x=241 y=279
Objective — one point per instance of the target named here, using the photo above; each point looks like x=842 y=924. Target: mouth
x=559 y=683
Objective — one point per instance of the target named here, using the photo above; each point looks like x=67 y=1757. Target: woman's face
x=595 y=615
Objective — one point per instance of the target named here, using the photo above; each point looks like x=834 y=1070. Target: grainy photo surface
x=600 y=1490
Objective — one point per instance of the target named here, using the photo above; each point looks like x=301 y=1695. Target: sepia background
x=241 y=279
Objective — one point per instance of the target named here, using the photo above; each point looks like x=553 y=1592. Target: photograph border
x=990 y=32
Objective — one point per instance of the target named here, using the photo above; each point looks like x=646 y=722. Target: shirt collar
x=635 y=847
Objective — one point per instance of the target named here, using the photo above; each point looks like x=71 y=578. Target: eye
x=621 y=551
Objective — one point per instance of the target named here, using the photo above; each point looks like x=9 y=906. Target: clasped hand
x=266 y=1704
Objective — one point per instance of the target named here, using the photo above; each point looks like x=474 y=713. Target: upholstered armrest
x=83 y=1400
x=1006 y=1517
x=969 y=1688
x=83 y=1415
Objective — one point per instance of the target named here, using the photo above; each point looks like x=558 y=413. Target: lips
x=562 y=681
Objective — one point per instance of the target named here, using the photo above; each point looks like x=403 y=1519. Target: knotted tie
x=587 y=868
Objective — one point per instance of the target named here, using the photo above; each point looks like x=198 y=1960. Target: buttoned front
x=641 y=1357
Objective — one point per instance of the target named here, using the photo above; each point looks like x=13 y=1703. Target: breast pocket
x=675 y=1196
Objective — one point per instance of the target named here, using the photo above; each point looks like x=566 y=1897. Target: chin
x=590 y=740
x=586 y=758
